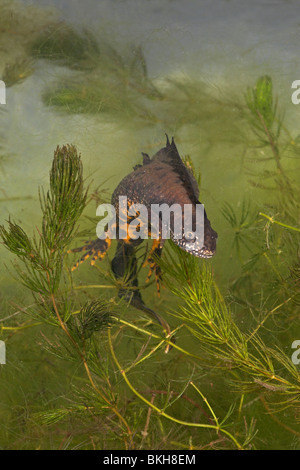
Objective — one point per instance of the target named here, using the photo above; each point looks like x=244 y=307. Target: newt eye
x=189 y=236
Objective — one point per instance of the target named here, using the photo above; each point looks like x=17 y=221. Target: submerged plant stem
x=271 y=219
x=217 y=428
x=94 y=386
x=266 y=317
x=153 y=335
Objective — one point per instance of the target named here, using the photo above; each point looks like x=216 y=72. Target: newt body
x=162 y=179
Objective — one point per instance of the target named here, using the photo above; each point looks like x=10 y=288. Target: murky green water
x=200 y=58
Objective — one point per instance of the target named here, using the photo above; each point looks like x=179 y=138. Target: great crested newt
x=162 y=179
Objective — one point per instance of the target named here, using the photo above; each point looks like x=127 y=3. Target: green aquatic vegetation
x=92 y=332
x=190 y=101
x=113 y=79
x=103 y=76
x=260 y=102
x=110 y=80
x=228 y=380
x=20 y=25
x=266 y=256
x=281 y=200
x=42 y=261
x=17 y=71
x=62 y=205
x=65 y=46
x=269 y=268
x=243 y=226
x=208 y=317
x=114 y=355
x=267 y=125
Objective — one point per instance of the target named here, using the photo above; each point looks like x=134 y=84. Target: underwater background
x=111 y=78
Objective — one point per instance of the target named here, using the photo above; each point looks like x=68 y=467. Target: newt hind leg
x=155 y=253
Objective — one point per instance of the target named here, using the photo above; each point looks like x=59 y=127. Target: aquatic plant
x=20 y=25
x=62 y=44
x=177 y=406
x=125 y=391
x=42 y=260
x=281 y=197
x=110 y=80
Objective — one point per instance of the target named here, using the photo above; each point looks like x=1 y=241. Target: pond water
x=220 y=48
x=225 y=44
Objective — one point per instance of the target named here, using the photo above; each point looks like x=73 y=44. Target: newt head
x=202 y=247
